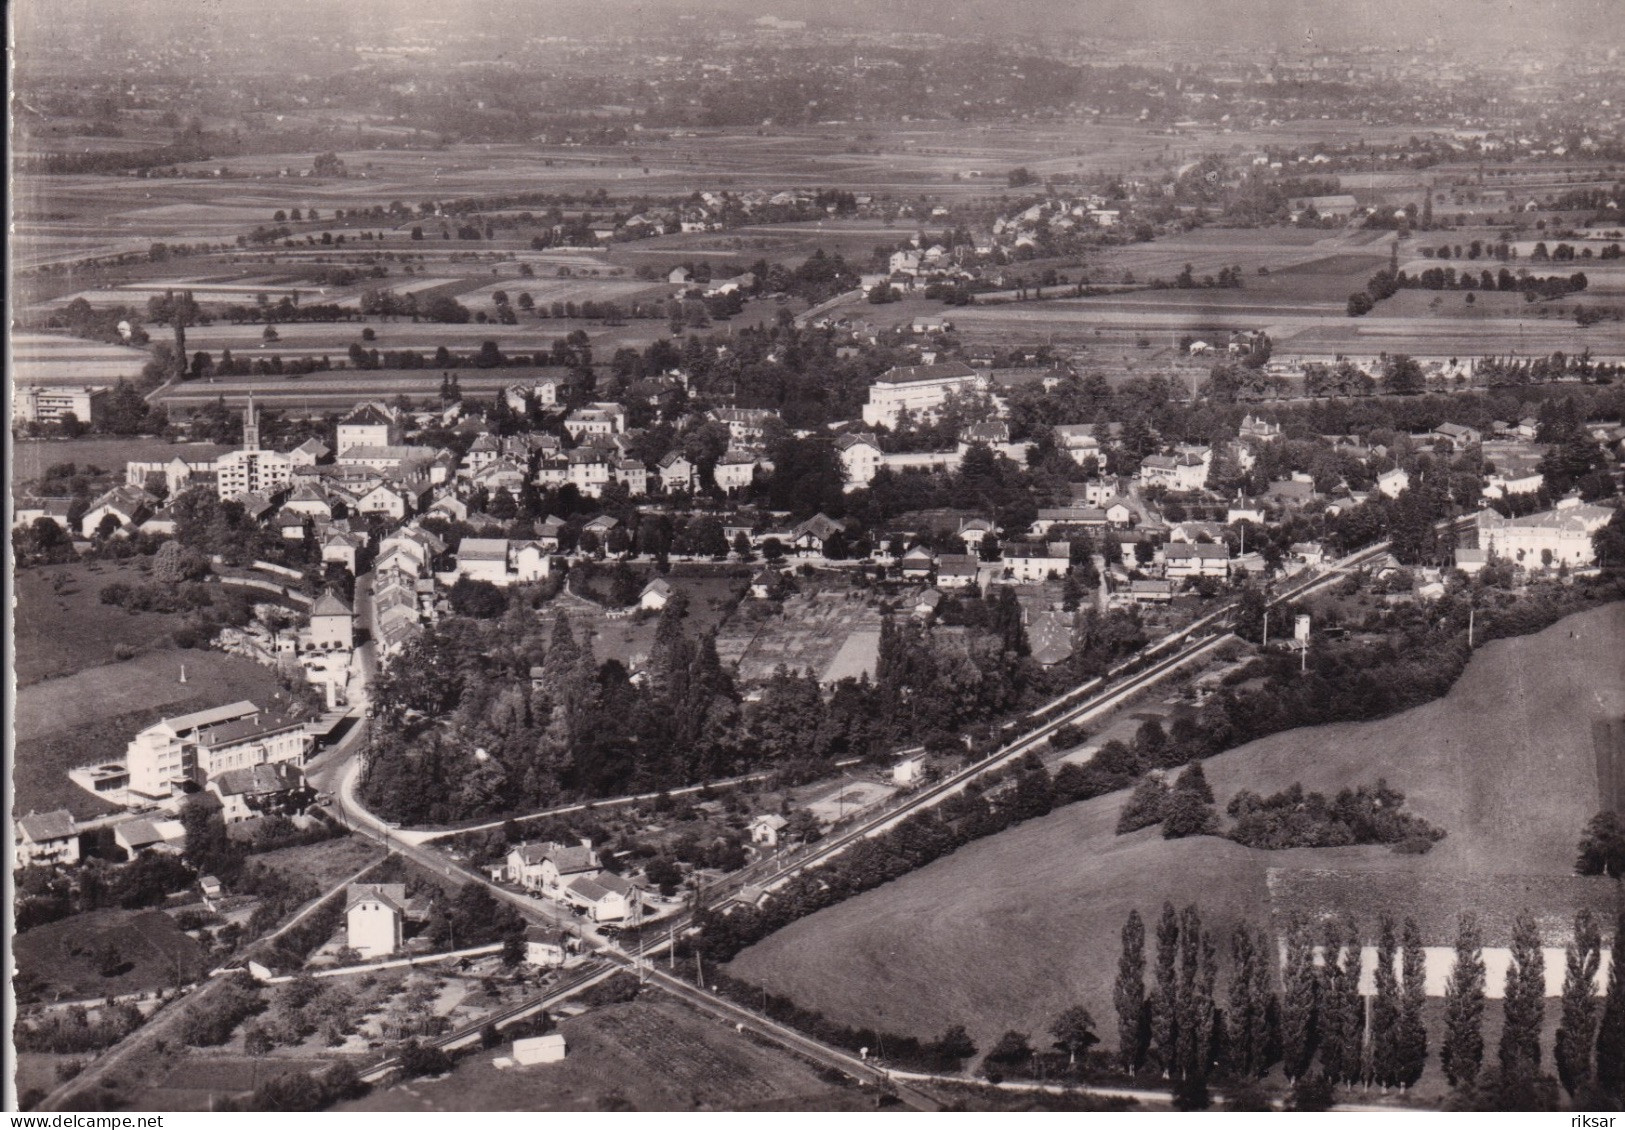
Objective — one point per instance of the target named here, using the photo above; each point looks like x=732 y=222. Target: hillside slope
x=1010 y=930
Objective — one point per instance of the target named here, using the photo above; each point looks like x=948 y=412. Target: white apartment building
x=239 y=472
x=47 y=404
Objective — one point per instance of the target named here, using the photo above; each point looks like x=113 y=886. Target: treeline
x=113 y=163
x=1388 y=282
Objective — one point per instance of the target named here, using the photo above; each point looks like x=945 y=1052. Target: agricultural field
x=64 y=959
x=195 y=1081
x=650 y=1054
x=52 y=359
x=971 y=939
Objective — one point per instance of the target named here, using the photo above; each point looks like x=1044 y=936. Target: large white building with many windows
x=1561 y=536
x=191 y=748
x=919 y=390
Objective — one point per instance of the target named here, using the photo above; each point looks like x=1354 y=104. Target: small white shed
x=539 y=1049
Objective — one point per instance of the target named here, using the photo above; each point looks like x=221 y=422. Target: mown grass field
x=652 y=1054
x=1010 y=930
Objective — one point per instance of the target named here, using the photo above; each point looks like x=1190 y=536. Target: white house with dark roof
x=1393 y=482
x=972 y=533
x=368 y=425
x=255 y=790
x=655 y=595
x=808 y=539
x=1037 y=561
x=860 y=457
x=30 y=510
x=676 y=472
x=546 y=946
x=332 y=623
x=1259 y=429
x=47 y=839
x=1458 y=436
x=502 y=562
x=1180 y=473
x=766 y=829
x=374 y=915
x=126 y=505
x=1183 y=559
x=604 y=897
x=549 y=867
x=957 y=571
x=736 y=470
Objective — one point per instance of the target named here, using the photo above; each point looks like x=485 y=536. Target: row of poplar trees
x=1320 y=1029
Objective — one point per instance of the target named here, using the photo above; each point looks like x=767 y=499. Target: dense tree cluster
x=1293 y=818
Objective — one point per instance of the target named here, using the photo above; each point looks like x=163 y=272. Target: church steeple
x=251 y=426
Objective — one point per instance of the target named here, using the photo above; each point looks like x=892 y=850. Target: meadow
x=1008 y=931
x=64 y=957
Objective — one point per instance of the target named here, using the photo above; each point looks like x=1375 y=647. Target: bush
x=1312 y=1093
x=211 y=1022
x=1188 y=815
x=418 y=1062
x=1147 y=805
x=617 y=989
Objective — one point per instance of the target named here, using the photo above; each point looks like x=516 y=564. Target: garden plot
x=828 y=634
x=197 y=1080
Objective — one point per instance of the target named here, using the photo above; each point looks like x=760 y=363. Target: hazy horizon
x=1274 y=25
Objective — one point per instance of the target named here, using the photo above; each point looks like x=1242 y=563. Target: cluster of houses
x=573 y=876
x=1024 y=229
